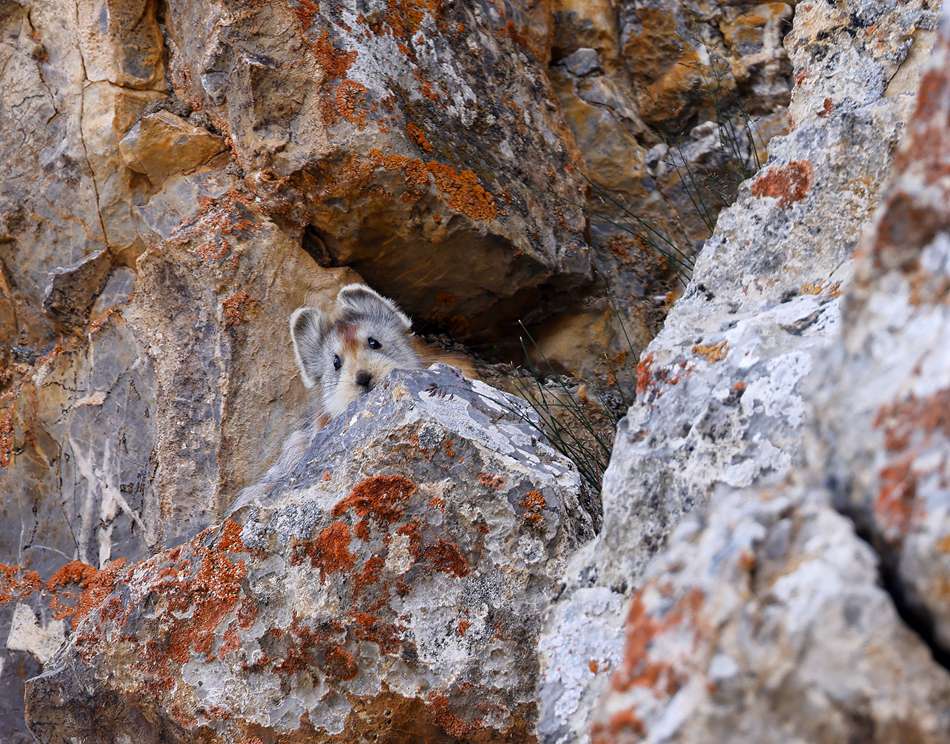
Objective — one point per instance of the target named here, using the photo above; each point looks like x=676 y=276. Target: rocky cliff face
x=182 y=174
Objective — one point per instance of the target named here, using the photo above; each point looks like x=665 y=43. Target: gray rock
x=582 y=62
x=394 y=582
x=882 y=437
x=723 y=393
x=764 y=621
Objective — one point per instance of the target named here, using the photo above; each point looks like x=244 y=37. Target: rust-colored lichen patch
x=644 y=376
x=447 y=558
x=236 y=308
x=17 y=582
x=894 y=505
x=418 y=136
x=494 y=482
x=405 y=17
x=461 y=190
x=382 y=498
x=330 y=550
x=349 y=99
x=339 y=663
x=787 y=183
x=712 y=353
x=335 y=62
x=6 y=438
x=533 y=503
x=463 y=626
x=368 y=575
x=639 y=668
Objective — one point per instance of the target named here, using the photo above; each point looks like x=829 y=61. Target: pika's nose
x=363 y=378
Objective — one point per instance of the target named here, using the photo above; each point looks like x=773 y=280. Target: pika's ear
x=308 y=327
x=358 y=300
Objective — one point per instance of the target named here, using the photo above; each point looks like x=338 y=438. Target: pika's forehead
x=347 y=333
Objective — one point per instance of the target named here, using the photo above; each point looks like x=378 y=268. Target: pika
x=347 y=354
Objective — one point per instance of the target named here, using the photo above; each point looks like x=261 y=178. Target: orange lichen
x=210 y=595
x=236 y=307
x=894 y=506
x=593 y=666
x=6 y=438
x=787 y=183
x=493 y=482
x=405 y=17
x=461 y=190
x=638 y=669
x=381 y=497
x=463 y=626
x=418 y=136
x=329 y=551
x=533 y=503
x=17 y=582
x=305 y=10
x=335 y=62
x=448 y=446
x=450 y=723
x=230 y=539
x=74 y=572
x=447 y=558
x=348 y=97
x=712 y=352
x=644 y=376
x=339 y=663
x=368 y=575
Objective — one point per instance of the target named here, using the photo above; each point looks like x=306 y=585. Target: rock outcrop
x=393 y=586
x=726 y=392
x=181 y=174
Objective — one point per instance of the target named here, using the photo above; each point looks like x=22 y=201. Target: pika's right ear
x=308 y=326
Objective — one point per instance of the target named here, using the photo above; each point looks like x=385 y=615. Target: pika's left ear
x=358 y=300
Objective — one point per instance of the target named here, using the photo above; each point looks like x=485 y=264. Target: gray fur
x=317 y=338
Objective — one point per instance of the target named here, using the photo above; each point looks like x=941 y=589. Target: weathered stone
x=385 y=131
x=719 y=389
x=161 y=144
x=765 y=622
x=883 y=438
x=385 y=588
x=722 y=398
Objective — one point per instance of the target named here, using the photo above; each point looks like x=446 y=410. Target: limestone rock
x=385 y=131
x=723 y=392
x=882 y=438
x=720 y=389
x=764 y=621
x=393 y=585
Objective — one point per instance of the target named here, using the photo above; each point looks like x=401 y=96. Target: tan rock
x=161 y=144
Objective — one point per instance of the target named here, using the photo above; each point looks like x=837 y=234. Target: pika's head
x=349 y=353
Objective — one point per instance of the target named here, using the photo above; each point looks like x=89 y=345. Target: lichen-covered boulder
x=393 y=585
x=765 y=621
x=883 y=435
x=416 y=139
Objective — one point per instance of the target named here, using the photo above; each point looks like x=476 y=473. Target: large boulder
x=415 y=139
x=391 y=586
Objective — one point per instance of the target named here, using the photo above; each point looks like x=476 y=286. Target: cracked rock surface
x=729 y=389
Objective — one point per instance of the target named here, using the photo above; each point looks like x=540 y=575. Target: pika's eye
x=337 y=362
x=373 y=343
